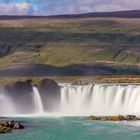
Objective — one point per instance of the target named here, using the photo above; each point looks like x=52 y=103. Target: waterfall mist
x=78 y=100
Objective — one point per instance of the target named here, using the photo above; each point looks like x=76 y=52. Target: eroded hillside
x=89 y=45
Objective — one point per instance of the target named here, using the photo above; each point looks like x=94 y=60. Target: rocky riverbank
x=9 y=126
x=80 y=80
x=115 y=118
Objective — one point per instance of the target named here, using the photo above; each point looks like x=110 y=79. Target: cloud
x=50 y=7
x=54 y=7
x=107 y=5
x=16 y=9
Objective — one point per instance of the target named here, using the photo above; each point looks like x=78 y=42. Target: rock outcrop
x=81 y=82
x=8 y=126
x=20 y=93
x=20 y=87
x=50 y=94
x=115 y=118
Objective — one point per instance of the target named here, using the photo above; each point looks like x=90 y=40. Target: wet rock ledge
x=8 y=126
x=115 y=118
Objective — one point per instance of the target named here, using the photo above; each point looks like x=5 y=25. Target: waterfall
x=74 y=99
x=79 y=100
x=37 y=101
x=6 y=105
x=100 y=99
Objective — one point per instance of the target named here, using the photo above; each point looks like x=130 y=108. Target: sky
x=57 y=7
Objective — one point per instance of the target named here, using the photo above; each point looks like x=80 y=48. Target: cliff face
x=50 y=94
x=21 y=94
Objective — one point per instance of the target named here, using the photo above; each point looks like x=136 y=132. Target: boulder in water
x=131 y=118
x=18 y=126
x=115 y=118
x=4 y=129
x=8 y=126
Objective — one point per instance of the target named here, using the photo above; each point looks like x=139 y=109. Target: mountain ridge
x=119 y=14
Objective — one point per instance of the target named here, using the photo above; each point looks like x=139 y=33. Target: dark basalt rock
x=115 y=118
x=20 y=93
x=51 y=85
x=18 y=126
x=20 y=87
x=5 y=129
x=50 y=94
x=131 y=117
x=8 y=126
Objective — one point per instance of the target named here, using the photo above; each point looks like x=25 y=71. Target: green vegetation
x=66 y=42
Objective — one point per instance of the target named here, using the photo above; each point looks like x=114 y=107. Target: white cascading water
x=100 y=99
x=6 y=105
x=83 y=100
x=37 y=101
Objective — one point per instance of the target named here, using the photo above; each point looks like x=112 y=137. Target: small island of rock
x=115 y=118
x=8 y=126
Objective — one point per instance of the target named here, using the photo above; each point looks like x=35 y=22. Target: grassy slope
x=112 y=41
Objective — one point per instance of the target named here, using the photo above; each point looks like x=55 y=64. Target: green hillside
x=112 y=42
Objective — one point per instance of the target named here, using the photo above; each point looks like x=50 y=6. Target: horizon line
x=72 y=14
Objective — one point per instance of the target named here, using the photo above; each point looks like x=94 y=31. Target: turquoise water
x=74 y=128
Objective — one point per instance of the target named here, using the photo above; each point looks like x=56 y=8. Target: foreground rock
x=8 y=126
x=115 y=118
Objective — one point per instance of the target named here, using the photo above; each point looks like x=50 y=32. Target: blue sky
x=55 y=7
